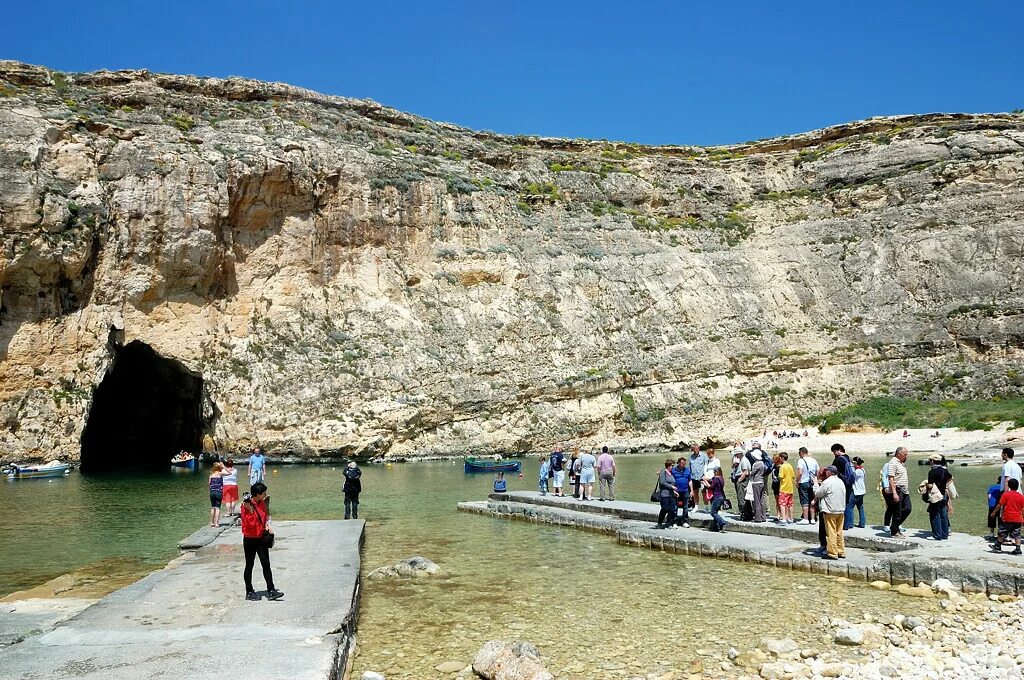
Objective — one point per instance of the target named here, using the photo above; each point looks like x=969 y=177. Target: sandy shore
x=866 y=441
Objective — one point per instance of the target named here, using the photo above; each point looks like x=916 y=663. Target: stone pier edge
x=895 y=570
x=341 y=666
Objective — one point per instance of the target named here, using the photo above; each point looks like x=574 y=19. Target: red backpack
x=254 y=521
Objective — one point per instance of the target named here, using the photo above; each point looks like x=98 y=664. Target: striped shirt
x=898 y=471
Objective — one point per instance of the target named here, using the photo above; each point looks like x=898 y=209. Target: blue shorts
x=215 y=500
x=587 y=476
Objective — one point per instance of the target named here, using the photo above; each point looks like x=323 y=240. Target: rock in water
x=449 y=667
x=412 y=567
x=779 y=647
x=498 y=660
x=849 y=636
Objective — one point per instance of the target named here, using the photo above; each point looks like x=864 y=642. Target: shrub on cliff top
x=892 y=413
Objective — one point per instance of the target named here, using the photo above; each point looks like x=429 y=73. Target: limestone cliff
x=349 y=279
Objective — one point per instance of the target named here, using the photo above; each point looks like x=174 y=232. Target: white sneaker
x=686 y=525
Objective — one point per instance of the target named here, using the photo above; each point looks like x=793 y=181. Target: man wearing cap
x=756 y=479
x=938 y=510
x=899 y=490
x=831 y=495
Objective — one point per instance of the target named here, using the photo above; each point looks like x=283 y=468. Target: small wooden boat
x=184 y=460
x=54 y=468
x=471 y=464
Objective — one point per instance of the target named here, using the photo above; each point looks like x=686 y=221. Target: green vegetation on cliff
x=893 y=413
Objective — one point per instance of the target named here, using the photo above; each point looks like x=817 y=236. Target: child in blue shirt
x=499 y=483
x=542 y=481
x=994 y=492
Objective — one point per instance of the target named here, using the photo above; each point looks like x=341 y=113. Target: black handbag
x=656 y=494
x=267 y=537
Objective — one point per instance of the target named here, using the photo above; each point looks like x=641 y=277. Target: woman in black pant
x=257 y=537
x=667 y=494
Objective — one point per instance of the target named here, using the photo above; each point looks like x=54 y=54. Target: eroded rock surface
x=352 y=280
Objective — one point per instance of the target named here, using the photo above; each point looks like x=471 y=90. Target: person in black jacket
x=352 y=488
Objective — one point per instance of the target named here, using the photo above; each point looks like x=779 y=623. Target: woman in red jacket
x=257 y=536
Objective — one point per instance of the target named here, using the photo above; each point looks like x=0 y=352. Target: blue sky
x=662 y=73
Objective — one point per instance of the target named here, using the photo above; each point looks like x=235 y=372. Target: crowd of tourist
x=830 y=495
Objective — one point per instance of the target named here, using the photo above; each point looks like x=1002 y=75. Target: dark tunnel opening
x=146 y=409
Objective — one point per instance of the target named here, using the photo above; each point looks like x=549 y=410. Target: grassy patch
x=893 y=413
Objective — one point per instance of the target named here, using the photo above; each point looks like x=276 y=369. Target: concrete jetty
x=872 y=555
x=191 y=619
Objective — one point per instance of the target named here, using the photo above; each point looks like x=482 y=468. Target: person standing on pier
x=667 y=494
x=842 y=462
x=831 y=495
x=1011 y=504
x=786 y=489
x=606 y=474
x=542 y=476
x=698 y=461
x=704 y=485
x=681 y=473
x=899 y=490
x=756 y=488
x=938 y=509
x=230 y=488
x=1011 y=469
x=353 y=487
x=717 y=500
x=557 y=472
x=808 y=469
x=257 y=467
x=588 y=474
x=859 y=491
x=216 y=493
x=257 y=537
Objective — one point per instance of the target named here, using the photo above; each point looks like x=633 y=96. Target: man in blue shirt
x=257 y=467
x=681 y=473
x=994 y=492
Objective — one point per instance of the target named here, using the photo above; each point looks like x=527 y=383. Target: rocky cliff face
x=350 y=279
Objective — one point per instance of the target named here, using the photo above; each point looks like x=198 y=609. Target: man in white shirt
x=1011 y=468
x=831 y=495
x=807 y=469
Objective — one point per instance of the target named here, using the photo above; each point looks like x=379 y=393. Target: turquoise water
x=501 y=578
x=51 y=527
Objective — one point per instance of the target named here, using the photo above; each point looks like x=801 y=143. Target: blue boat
x=471 y=464
x=184 y=460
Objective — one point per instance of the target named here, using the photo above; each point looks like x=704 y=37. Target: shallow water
x=590 y=604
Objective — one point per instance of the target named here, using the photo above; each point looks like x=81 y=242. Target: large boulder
x=412 y=567
x=498 y=660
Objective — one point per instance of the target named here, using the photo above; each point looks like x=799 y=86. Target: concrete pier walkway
x=191 y=619
x=872 y=555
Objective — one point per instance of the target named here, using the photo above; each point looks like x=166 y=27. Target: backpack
x=769 y=466
x=847 y=475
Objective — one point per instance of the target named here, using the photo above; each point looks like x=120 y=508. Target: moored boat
x=471 y=464
x=54 y=468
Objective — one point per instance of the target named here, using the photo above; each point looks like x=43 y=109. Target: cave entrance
x=146 y=409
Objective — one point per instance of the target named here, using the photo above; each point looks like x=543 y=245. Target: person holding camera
x=257 y=539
